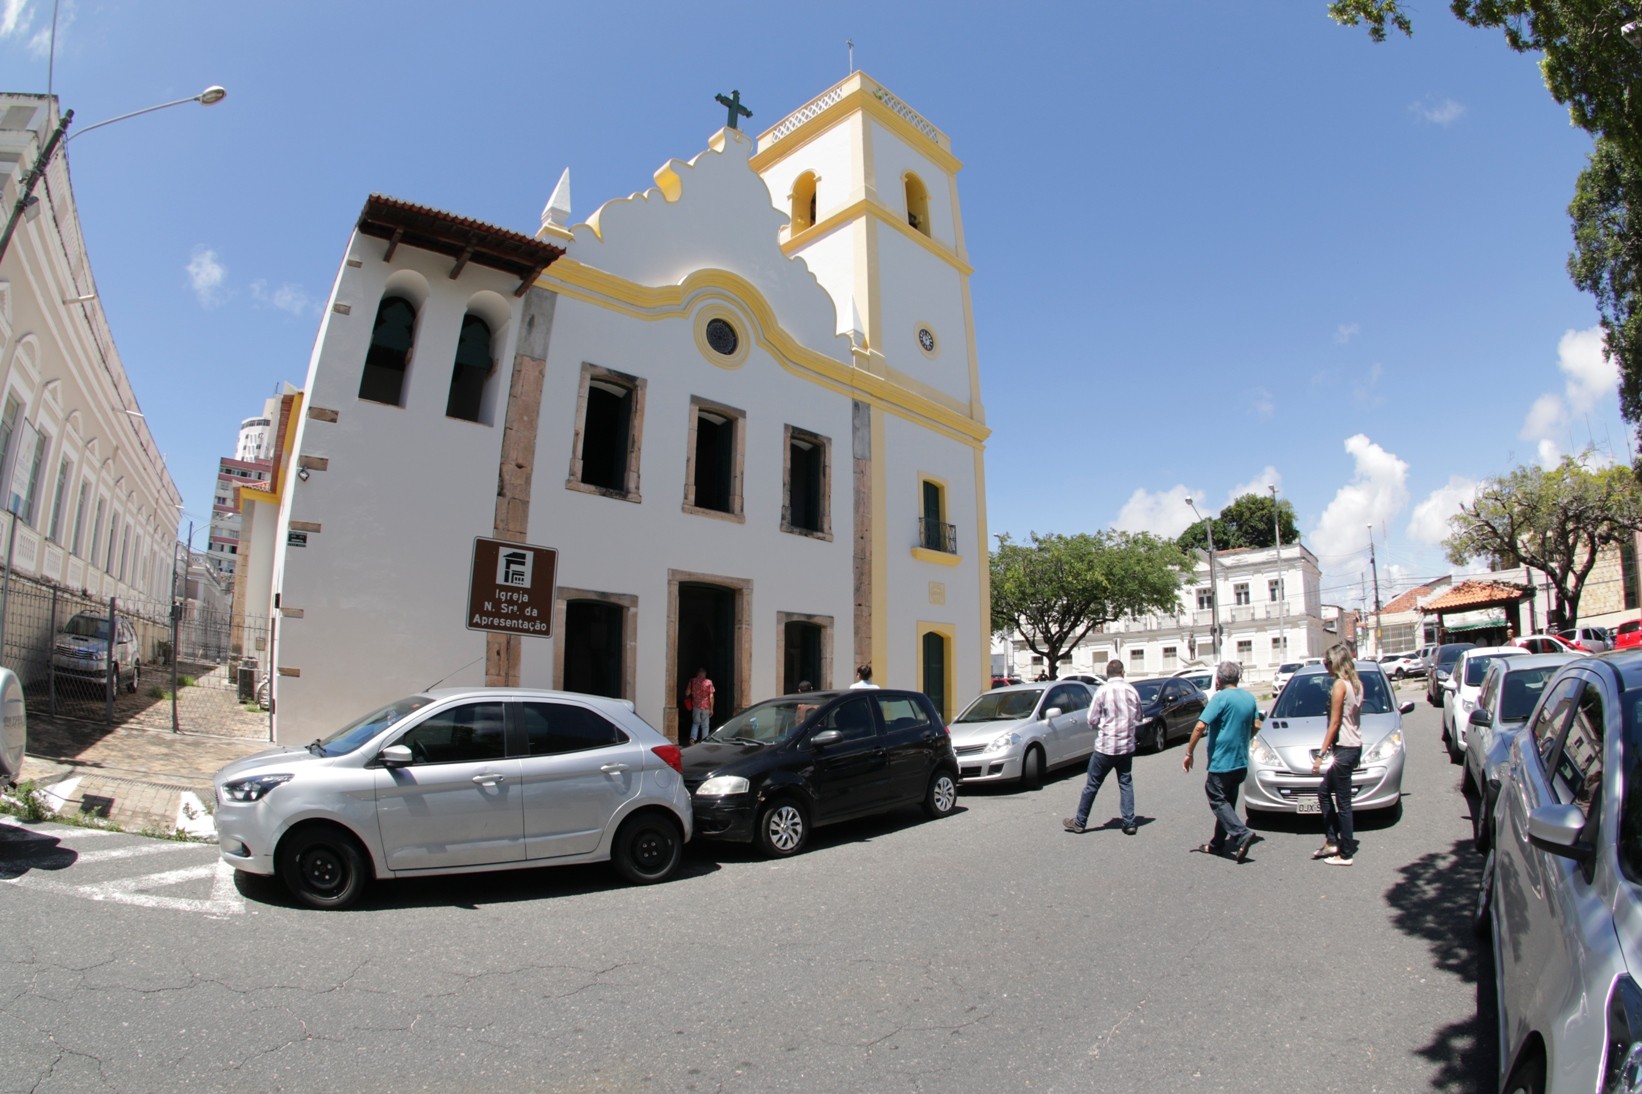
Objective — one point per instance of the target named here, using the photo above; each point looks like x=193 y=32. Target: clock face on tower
x=926 y=339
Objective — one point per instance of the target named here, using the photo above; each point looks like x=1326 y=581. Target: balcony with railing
x=935 y=535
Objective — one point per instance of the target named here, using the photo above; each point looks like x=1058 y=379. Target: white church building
x=732 y=422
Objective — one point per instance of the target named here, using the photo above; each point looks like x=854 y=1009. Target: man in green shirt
x=1231 y=720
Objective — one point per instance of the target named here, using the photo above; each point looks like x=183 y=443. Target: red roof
x=1479 y=594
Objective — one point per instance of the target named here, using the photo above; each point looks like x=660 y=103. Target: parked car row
x=1553 y=753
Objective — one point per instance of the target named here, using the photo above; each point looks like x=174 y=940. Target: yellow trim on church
x=876 y=209
x=865 y=97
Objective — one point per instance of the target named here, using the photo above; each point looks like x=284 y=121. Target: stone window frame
x=738 y=461
x=635 y=433
x=825 y=622
x=789 y=434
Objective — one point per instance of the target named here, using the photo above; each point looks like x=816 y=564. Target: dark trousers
x=1336 y=801
x=1222 y=788
x=1099 y=765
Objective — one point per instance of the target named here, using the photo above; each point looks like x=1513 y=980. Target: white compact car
x=459 y=780
x=1460 y=691
x=1017 y=733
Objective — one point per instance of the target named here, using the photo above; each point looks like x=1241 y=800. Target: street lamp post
x=1282 y=579
x=25 y=192
x=1214 y=586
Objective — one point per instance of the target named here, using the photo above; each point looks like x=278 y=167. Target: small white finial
x=556 y=214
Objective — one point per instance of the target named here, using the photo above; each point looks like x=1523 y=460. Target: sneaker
x=1338 y=860
x=1071 y=825
x=1325 y=851
x=1128 y=829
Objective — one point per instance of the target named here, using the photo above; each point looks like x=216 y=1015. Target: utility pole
x=1282 y=579
x=1214 y=587
x=1372 y=565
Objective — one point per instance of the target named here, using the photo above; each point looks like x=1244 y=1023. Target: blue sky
x=1215 y=246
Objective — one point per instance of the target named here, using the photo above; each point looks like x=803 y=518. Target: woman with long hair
x=1342 y=750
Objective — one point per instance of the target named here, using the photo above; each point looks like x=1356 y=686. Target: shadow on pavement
x=23 y=850
x=1431 y=900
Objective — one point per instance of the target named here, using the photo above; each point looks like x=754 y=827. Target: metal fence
x=186 y=670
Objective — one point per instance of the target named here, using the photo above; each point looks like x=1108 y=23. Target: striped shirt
x=1114 y=716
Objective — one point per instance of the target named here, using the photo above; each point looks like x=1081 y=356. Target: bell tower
x=871 y=192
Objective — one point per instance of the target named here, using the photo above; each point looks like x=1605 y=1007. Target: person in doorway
x=805 y=685
x=1114 y=715
x=1341 y=751
x=698 y=699
x=863 y=677
x=1231 y=719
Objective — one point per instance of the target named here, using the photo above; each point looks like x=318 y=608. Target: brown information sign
x=511 y=588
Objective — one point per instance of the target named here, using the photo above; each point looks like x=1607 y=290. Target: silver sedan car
x=458 y=780
x=1510 y=691
x=1562 y=886
x=1280 y=757
x=1017 y=733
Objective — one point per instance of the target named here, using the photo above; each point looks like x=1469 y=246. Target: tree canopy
x=1246 y=522
x=1556 y=521
x=1589 y=66
x=1055 y=589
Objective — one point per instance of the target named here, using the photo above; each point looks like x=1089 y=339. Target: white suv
x=459 y=780
x=81 y=650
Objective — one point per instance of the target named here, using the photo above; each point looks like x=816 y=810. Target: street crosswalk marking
x=140 y=890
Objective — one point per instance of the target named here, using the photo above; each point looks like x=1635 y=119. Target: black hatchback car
x=779 y=768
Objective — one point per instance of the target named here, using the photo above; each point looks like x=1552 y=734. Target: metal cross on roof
x=734 y=103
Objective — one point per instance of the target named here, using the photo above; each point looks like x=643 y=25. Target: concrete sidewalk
x=138 y=778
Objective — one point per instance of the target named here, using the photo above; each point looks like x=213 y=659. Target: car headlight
x=1001 y=741
x=252 y=789
x=1622 y=1071
x=1467 y=706
x=720 y=785
x=1387 y=747
x=1263 y=754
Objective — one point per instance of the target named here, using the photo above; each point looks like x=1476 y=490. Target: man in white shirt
x=863 y=677
x=1115 y=716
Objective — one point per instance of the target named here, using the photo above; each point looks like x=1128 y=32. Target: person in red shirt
x=699 y=699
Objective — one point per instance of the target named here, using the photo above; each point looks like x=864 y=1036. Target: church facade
x=734 y=421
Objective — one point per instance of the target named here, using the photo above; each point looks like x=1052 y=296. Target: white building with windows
x=250 y=465
x=1269 y=611
x=95 y=508
x=743 y=408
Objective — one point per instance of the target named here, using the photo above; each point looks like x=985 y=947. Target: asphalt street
x=986 y=951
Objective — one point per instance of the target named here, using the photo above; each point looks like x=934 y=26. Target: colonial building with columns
x=732 y=422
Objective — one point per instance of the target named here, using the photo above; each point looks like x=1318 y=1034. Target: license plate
x=1308 y=803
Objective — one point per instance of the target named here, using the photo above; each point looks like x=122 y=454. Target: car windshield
x=1477 y=667
x=998 y=706
x=1148 y=690
x=1306 y=696
x=87 y=626
x=1523 y=687
x=1449 y=654
x=1292 y=666
x=769 y=721
x=357 y=732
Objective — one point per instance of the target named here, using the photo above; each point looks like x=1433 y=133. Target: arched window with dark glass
x=917 y=204
x=803 y=202
x=472 y=371
x=388 y=360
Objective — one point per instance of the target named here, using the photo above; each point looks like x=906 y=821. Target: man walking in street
x=1231 y=719
x=1114 y=716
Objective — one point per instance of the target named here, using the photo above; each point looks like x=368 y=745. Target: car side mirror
x=395 y=756
x=1052 y=712
x=1555 y=827
x=826 y=737
x=1481 y=718
x=1406 y=708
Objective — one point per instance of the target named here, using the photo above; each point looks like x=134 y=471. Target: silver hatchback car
x=1020 y=732
x=458 y=780
x=1562 y=884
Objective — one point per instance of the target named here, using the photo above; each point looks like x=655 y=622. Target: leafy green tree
x=1055 y=589
x=1590 y=68
x=1246 y=522
x=1557 y=521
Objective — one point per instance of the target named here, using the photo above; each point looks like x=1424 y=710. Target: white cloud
x=1164 y=514
x=14 y=18
x=1345 y=332
x=1549 y=454
x=1445 y=112
x=1590 y=377
x=1268 y=477
x=207 y=275
x=1545 y=417
x=1377 y=492
x=287 y=298
x=1429 y=522
x=1262 y=403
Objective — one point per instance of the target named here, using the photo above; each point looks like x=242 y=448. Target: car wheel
x=942 y=796
x=1528 y=1077
x=323 y=867
x=1485 y=896
x=648 y=848
x=1482 y=826
x=783 y=827
x=1032 y=768
x=136 y=671
x=1397 y=675
x=1160 y=735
